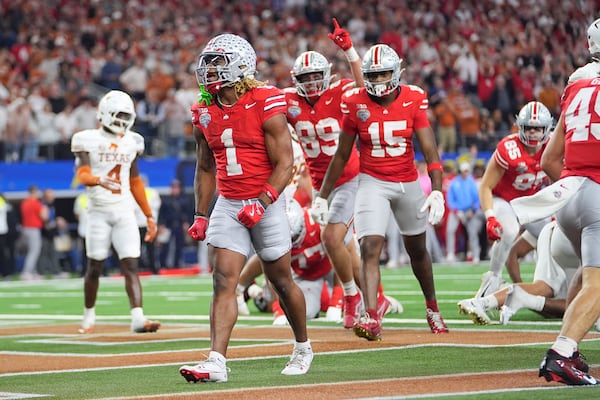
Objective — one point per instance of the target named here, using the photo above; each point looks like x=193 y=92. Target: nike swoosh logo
x=406 y=103
x=247 y=106
x=328 y=102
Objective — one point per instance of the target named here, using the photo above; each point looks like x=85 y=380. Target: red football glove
x=252 y=213
x=198 y=229
x=340 y=36
x=493 y=228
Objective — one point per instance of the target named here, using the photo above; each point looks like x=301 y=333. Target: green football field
x=183 y=302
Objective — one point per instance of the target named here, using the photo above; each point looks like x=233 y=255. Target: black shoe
x=580 y=363
x=561 y=369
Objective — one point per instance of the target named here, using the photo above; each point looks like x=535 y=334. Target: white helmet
x=116 y=111
x=238 y=62
x=295 y=214
x=593 y=36
x=307 y=63
x=381 y=58
x=534 y=114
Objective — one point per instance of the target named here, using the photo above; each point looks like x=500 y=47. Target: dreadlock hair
x=245 y=85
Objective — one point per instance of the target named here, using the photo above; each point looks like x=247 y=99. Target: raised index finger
x=335 y=24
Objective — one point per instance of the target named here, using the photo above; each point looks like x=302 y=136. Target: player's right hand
x=340 y=36
x=198 y=229
x=151 y=230
x=319 y=210
x=493 y=228
x=109 y=183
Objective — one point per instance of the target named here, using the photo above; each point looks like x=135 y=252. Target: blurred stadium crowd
x=479 y=60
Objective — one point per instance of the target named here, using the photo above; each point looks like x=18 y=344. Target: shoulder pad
x=590 y=70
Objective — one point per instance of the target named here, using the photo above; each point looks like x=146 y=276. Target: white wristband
x=351 y=54
x=489 y=213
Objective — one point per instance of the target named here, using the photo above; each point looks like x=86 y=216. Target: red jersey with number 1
x=523 y=175
x=309 y=260
x=318 y=129
x=581 y=109
x=236 y=137
x=385 y=133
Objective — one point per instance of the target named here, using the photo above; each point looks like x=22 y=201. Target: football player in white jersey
x=591 y=69
x=106 y=160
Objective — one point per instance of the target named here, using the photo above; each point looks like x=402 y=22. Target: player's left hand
x=250 y=214
x=340 y=36
x=151 y=230
x=435 y=202
x=320 y=210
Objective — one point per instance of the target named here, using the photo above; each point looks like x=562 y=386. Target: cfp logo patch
x=205 y=120
x=521 y=167
x=363 y=115
x=294 y=111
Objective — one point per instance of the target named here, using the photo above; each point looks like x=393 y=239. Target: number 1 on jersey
x=233 y=167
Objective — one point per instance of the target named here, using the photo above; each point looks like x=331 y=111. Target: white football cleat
x=241 y=304
x=506 y=314
x=254 y=291
x=210 y=370
x=395 y=306
x=334 y=314
x=516 y=299
x=474 y=309
x=280 y=320
x=299 y=363
x=490 y=283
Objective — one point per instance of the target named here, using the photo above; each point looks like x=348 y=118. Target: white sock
x=89 y=317
x=220 y=358
x=302 y=345
x=531 y=301
x=349 y=288
x=490 y=302
x=137 y=316
x=240 y=289
x=537 y=303
x=565 y=346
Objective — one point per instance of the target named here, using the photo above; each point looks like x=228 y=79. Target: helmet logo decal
x=306 y=60
x=534 y=112
x=376 y=57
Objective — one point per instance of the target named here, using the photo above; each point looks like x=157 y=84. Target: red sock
x=432 y=305
x=325 y=300
x=372 y=313
x=337 y=296
x=277 y=310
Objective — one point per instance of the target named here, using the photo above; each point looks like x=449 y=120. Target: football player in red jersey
x=572 y=155
x=312 y=271
x=384 y=115
x=513 y=171
x=313 y=109
x=244 y=148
